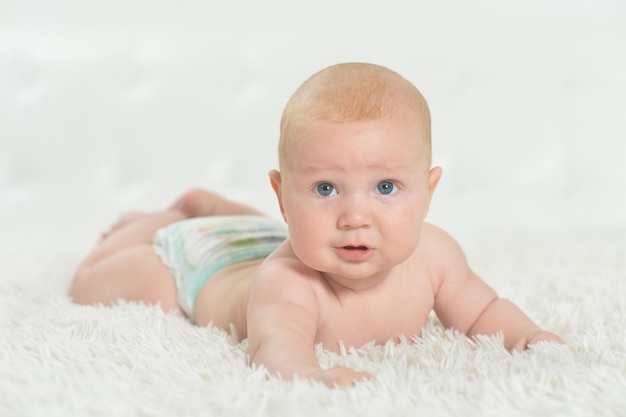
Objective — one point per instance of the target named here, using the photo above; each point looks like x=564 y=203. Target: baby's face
x=354 y=197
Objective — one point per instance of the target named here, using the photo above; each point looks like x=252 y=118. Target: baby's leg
x=124 y=264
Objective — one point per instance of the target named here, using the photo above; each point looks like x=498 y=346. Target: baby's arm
x=465 y=302
x=282 y=325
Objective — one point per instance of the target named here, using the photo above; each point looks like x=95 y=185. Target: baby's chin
x=356 y=277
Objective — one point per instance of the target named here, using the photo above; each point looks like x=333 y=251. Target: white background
x=117 y=105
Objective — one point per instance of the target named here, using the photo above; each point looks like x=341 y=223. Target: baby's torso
x=398 y=307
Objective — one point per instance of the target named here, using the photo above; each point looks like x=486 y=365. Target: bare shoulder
x=444 y=254
x=440 y=244
x=460 y=294
x=283 y=279
x=282 y=300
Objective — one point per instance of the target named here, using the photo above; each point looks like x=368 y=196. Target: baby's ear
x=433 y=179
x=275 y=180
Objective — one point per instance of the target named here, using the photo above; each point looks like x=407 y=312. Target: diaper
x=195 y=249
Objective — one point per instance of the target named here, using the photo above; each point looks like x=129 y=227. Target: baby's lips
x=355 y=253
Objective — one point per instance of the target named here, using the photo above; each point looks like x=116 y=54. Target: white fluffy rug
x=57 y=358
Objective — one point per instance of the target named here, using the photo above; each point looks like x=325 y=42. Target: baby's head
x=354 y=92
x=355 y=182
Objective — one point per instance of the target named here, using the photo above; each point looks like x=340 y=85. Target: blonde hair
x=353 y=92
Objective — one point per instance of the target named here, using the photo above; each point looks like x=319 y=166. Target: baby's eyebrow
x=316 y=169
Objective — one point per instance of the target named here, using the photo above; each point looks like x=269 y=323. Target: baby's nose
x=355 y=213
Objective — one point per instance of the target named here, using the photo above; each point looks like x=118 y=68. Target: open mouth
x=355 y=252
x=355 y=247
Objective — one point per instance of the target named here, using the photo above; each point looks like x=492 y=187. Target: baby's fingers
x=340 y=376
x=533 y=338
x=545 y=336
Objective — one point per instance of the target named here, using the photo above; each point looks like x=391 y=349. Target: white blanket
x=57 y=358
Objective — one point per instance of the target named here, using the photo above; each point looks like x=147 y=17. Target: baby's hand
x=536 y=337
x=339 y=376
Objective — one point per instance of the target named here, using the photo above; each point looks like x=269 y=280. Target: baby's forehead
x=410 y=122
x=403 y=134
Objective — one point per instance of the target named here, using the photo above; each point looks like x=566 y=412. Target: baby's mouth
x=355 y=253
x=350 y=247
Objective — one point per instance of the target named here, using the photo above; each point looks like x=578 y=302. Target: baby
x=356 y=262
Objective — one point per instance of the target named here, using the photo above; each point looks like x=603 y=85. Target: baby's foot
x=196 y=203
x=125 y=219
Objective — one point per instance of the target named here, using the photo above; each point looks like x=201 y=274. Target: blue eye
x=325 y=189
x=386 y=187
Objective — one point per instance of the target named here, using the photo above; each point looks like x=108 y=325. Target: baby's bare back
x=222 y=300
